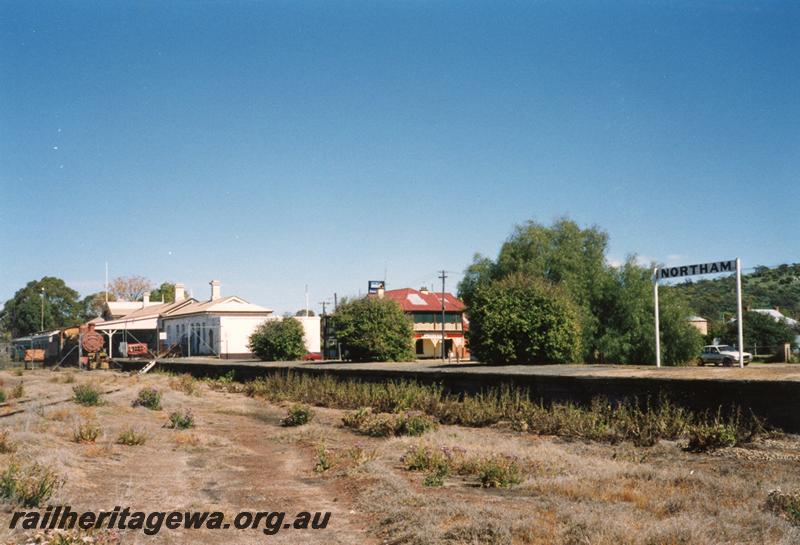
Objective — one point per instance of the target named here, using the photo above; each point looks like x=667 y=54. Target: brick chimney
x=216 y=291
x=180 y=292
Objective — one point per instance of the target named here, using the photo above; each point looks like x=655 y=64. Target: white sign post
x=660 y=273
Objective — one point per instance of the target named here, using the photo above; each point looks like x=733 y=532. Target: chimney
x=180 y=294
x=215 y=289
x=145 y=299
x=423 y=290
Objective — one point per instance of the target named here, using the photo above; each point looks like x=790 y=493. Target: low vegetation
x=491 y=471
x=785 y=504
x=6 y=445
x=298 y=415
x=87 y=395
x=131 y=437
x=149 y=398
x=28 y=485
x=17 y=392
x=3 y=395
x=410 y=408
x=278 y=340
x=86 y=432
x=412 y=423
x=185 y=383
x=181 y=419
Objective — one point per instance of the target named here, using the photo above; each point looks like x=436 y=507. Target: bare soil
x=238 y=457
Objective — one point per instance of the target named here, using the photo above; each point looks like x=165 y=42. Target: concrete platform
x=771 y=391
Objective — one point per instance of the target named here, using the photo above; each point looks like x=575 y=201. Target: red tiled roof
x=411 y=300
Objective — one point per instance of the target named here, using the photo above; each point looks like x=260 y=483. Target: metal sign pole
x=739 y=320
x=658 y=331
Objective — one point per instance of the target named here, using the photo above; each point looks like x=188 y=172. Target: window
x=420 y=347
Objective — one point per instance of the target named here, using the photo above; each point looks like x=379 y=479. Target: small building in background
x=700 y=323
x=424 y=307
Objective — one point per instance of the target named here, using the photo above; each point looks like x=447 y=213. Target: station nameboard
x=691 y=270
x=374 y=285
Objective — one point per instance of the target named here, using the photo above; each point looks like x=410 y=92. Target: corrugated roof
x=230 y=304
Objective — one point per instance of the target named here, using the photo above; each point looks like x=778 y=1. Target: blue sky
x=277 y=144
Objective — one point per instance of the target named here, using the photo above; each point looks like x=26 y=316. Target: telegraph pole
x=443 y=276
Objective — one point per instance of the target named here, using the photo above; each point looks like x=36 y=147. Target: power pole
x=41 y=325
x=443 y=276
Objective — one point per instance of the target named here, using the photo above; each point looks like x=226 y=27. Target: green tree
x=762 y=330
x=278 y=340
x=22 y=314
x=92 y=305
x=373 y=329
x=520 y=319
x=166 y=291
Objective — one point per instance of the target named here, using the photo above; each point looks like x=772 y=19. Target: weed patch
x=6 y=445
x=131 y=437
x=786 y=505
x=185 y=383
x=298 y=415
x=86 y=432
x=149 y=398
x=17 y=391
x=412 y=423
x=87 y=395
x=181 y=419
x=492 y=471
x=28 y=486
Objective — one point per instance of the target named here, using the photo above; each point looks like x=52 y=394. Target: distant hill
x=764 y=288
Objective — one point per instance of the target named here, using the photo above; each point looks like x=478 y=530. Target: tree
x=22 y=314
x=304 y=312
x=131 y=288
x=278 y=340
x=92 y=305
x=760 y=330
x=373 y=329
x=165 y=291
x=520 y=319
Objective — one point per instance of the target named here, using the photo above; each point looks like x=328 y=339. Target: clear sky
x=272 y=145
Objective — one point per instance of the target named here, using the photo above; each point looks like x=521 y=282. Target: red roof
x=411 y=300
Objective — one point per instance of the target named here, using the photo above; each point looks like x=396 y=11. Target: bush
x=705 y=437
x=499 y=472
x=131 y=437
x=6 y=445
x=784 y=504
x=412 y=423
x=185 y=383
x=298 y=415
x=279 y=340
x=181 y=419
x=323 y=462
x=149 y=398
x=17 y=391
x=523 y=320
x=86 y=394
x=86 y=432
x=28 y=486
x=373 y=329
x=2 y=395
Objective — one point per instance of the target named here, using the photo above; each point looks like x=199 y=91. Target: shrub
x=17 y=391
x=373 y=329
x=181 y=419
x=131 y=437
x=435 y=477
x=6 y=445
x=185 y=383
x=2 y=395
x=28 y=486
x=412 y=423
x=520 y=319
x=323 y=462
x=499 y=472
x=279 y=340
x=86 y=394
x=148 y=397
x=784 y=504
x=705 y=437
x=298 y=415
x=86 y=432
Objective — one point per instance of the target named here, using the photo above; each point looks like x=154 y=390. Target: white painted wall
x=312 y=335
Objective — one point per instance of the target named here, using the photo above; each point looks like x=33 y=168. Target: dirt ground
x=238 y=457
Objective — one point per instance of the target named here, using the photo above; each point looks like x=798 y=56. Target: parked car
x=722 y=354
